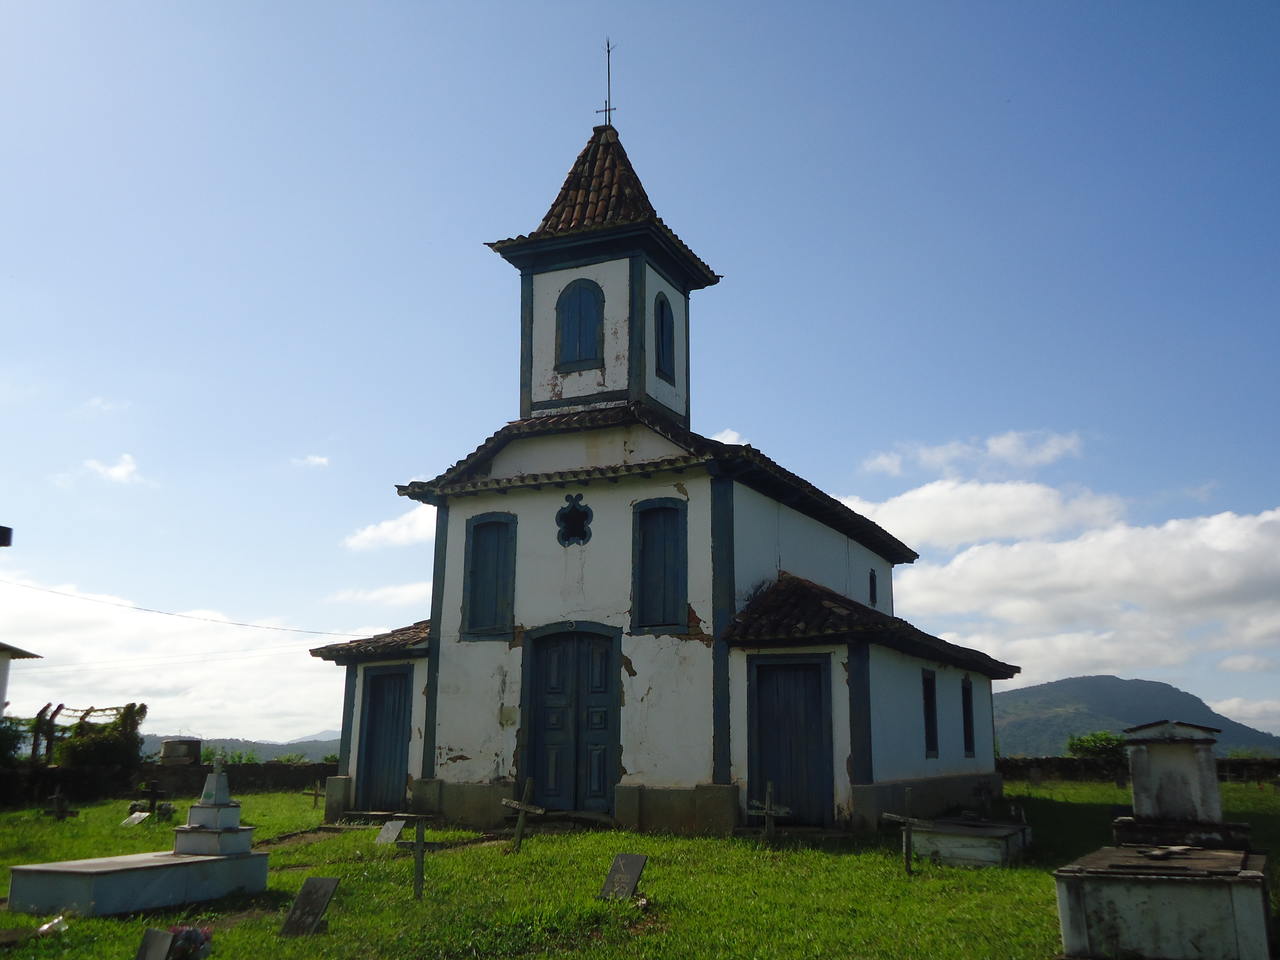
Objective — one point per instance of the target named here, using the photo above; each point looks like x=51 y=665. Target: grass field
x=706 y=898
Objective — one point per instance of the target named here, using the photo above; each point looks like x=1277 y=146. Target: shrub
x=292 y=758
x=13 y=734
x=114 y=744
x=329 y=758
x=1099 y=745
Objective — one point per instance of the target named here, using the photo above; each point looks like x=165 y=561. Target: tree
x=1099 y=745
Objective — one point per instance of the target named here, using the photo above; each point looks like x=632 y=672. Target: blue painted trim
x=723 y=607
x=583 y=401
x=862 y=761
x=362 y=759
x=531 y=637
x=966 y=717
x=438 y=575
x=754 y=662
x=681 y=602
x=564 y=251
x=637 y=369
x=526 y=344
x=348 y=716
x=669 y=373
x=502 y=630
x=585 y=363
x=688 y=365
x=930 y=710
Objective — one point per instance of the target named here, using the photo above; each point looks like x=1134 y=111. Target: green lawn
x=705 y=898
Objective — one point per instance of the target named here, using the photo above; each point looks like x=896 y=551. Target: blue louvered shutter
x=660 y=586
x=490 y=576
x=665 y=337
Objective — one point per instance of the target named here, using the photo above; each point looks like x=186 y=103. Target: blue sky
x=1004 y=275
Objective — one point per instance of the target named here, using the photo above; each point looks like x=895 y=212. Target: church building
x=651 y=625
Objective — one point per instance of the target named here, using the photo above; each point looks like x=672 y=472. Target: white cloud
x=395 y=595
x=950 y=513
x=1016 y=449
x=103 y=405
x=728 y=435
x=124 y=470
x=310 y=461
x=1247 y=663
x=209 y=678
x=1263 y=714
x=1120 y=598
x=414 y=526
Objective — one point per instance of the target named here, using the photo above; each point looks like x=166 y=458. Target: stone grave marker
x=306 y=916
x=390 y=832
x=59 y=808
x=133 y=819
x=623 y=876
x=525 y=808
x=155 y=945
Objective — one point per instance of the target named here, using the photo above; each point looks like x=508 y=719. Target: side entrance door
x=573 y=746
x=384 y=738
x=789 y=707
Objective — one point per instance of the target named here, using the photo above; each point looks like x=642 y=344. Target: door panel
x=384 y=740
x=574 y=733
x=791 y=745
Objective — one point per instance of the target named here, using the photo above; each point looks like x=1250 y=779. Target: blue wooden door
x=790 y=706
x=574 y=722
x=384 y=739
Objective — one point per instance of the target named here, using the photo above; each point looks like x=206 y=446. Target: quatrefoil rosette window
x=573 y=521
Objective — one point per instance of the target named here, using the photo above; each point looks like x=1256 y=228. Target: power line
x=184 y=616
x=137 y=662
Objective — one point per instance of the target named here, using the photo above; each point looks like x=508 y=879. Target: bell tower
x=604 y=294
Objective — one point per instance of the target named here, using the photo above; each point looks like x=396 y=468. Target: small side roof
x=397 y=644
x=15 y=653
x=1170 y=730
x=797 y=611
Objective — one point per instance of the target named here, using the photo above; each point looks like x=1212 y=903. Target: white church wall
x=897 y=719
x=769 y=537
x=573 y=451
x=417 y=715
x=614 y=279
x=666 y=703
x=739 y=721
x=670 y=395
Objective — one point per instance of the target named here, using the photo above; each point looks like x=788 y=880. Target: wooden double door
x=789 y=742
x=574 y=708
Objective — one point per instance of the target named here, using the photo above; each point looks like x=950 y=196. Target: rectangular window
x=488 y=592
x=659 y=567
x=930 y=691
x=966 y=709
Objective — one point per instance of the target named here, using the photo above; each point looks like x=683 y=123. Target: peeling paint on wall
x=455 y=758
x=517 y=637
x=681 y=488
x=627 y=666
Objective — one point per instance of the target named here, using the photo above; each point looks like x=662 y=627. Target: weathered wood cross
x=525 y=808
x=315 y=793
x=769 y=811
x=150 y=791
x=60 y=809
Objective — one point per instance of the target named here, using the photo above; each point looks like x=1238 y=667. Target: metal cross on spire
x=608 y=80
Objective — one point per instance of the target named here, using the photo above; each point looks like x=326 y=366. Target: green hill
x=1036 y=721
x=264 y=750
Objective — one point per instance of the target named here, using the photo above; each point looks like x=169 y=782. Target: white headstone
x=1174 y=774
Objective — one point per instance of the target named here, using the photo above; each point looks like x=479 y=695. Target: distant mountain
x=1036 y=721
x=322 y=735
x=263 y=750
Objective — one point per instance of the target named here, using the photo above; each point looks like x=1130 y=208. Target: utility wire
x=184 y=616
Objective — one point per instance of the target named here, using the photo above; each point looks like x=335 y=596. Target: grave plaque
x=624 y=876
x=155 y=945
x=390 y=831
x=307 y=912
x=133 y=819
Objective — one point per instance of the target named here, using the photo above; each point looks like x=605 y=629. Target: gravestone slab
x=623 y=876
x=155 y=945
x=308 y=909
x=390 y=831
x=133 y=819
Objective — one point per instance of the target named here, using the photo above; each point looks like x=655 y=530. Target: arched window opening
x=580 y=327
x=664 y=335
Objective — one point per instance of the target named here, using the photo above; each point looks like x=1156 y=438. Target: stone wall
x=1081 y=768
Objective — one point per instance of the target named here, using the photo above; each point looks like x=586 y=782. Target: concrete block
x=715 y=807
x=668 y=810
x=476 y=805
x=930 y=796
x=627 y=801
x=337 y=798
x=424 y=796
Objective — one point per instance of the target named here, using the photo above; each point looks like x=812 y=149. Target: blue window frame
x=966 y=714
x=664 y=336
x=660 y=567
x=489 y=583
x=580 y=327
x=929 y=695
x=871 y=587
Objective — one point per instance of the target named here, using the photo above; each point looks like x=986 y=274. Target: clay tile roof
x=396 y=643
x=602 y=189
x=797 y=611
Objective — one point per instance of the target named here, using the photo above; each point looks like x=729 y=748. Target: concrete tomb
x=211 y=858
x=1179 y=884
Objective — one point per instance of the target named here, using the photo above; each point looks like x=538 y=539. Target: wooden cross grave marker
x=150 y=792
x=60 y=809
x=418 y=845
x=525 y=808
x=769 y=811
x=307 y=913
x=316 y=793
x=624 y=876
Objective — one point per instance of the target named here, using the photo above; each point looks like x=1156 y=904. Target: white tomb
x=210 y=858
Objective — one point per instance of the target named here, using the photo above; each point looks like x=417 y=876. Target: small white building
x=8 y=653
x=650 y=624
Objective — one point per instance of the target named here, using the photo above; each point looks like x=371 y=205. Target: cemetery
x=573 y=891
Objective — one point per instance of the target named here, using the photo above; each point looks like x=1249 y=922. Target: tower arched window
x=580 y=327
x=664 y=335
